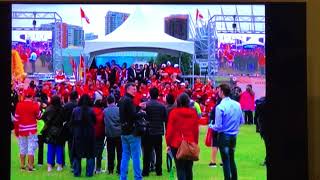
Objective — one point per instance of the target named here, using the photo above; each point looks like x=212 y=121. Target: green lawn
x=250 y=153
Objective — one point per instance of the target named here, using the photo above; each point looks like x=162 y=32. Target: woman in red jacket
x=25 y=123
x=182 y=120
x=99 y=132
x=247 y=104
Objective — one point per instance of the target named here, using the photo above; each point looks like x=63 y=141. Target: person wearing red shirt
x=144 y=90
x=137 y=98
x=91 y=91
x=166 y=89
x=124 y=72
x=47 y=91
x=24 y=58
x=182 y=89
x=122 y=90
x=169 y=69
x=79 y=89
x=198 y=85
x=247 y=104
x=105 y=90
x=182 y=121
x=25 y=123
x=177 y=70
x=99 y=133
x=85 y=89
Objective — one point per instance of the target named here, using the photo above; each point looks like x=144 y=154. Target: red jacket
x=247 y=101
x=182 y=121
x=99 y=126
x=26 y=115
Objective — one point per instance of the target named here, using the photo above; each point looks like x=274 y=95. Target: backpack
x=140 y=125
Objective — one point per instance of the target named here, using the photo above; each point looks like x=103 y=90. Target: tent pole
x=193 y=59
x=180 y=60
x=85 y=69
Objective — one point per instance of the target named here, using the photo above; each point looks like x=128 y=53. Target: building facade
x=177 y=26
x=113 y=20
x=75 y=36
x=90 y=36
x=70 y=35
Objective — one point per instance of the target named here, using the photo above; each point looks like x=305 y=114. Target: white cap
x=176 y=65
x=163 y=65
x=168 y=63
x=182 y=84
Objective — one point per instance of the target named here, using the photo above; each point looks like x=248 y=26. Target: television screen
x=38 y=42
x=95 y=49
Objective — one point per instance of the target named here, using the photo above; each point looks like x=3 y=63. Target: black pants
x=43 y=62
x=33 y=65
x=40 y=152
x=227 y=145
x=266 y=144
x=69 y=141
x=99 y=151
x=248 y=116
x=151 y=142
x=70 y=150
x=77 y=167
x=184 y=167
x=114 y=146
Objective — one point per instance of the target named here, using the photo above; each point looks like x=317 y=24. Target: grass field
x=250 y=153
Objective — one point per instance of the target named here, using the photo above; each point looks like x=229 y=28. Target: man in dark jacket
x=67 y=111
x=260 y=114
x=156 y=115
x=131 y=144
x=132 y=75
x=113 y=133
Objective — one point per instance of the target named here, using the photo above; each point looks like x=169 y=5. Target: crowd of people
x=32 y=51
x=127 y=109
x=242 y=60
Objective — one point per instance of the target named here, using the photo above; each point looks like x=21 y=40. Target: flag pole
x=80 y=74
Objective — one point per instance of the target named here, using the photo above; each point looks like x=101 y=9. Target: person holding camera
x=131 y=143
x=156 y=116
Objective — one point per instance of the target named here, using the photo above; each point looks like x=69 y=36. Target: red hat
x=29 y=92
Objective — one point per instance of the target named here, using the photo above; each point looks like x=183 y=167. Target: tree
x=186 y=62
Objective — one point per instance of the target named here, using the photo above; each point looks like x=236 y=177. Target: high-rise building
x=75 y=36
x=113 y=20
x=70 y=35
x=90 y=36
x=177 y=26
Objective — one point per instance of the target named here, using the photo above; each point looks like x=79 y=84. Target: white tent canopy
x=253 y=41
x=138 y=34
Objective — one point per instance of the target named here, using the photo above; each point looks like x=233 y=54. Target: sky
x=96 y=13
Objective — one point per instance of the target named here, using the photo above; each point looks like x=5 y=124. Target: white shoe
x=59 y=168
x=49 y=168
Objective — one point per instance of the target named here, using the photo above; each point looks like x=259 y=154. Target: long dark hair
x=183 y=100
x=56 y=101
x=249 y=89
x=85 y=103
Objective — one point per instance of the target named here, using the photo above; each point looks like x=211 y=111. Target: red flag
x=73 y=64
x=83 y=15
x=198 y=15
x=81 y=64
x=81 y=61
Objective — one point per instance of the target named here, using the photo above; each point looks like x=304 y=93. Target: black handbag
x=53 y=134
x=141 y=125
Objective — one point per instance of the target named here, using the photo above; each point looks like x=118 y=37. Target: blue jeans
x=131 y=147
x=53 y=151
x=227 y=145
x=77 y=167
